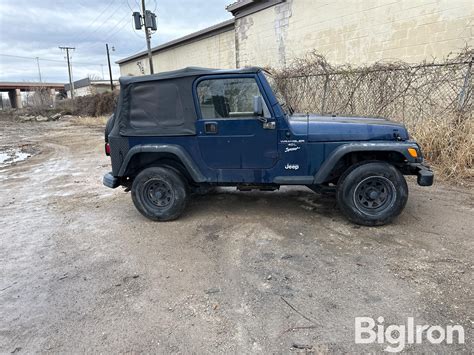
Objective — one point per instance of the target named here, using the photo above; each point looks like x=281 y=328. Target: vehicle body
x=211 y=127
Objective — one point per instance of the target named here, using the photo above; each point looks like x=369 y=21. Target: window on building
x=227 y=98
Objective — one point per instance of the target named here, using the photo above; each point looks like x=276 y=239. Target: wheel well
x=352 y=158
x=141 y=161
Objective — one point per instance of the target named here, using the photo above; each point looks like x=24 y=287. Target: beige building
x=87 y=86
x=274 y=32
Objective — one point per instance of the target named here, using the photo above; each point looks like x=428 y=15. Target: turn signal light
x=413 y=152
x=107 y=149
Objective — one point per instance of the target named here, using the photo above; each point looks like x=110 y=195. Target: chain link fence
x=434 y=100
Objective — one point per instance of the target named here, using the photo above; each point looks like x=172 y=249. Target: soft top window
x=157 y=108
x=155 y=104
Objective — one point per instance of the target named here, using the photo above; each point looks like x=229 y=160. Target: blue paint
x=242 y=151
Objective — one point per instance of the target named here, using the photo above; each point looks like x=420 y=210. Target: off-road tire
x=159 y=194
x=372 y=194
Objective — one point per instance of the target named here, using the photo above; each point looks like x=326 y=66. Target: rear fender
x=178 y=152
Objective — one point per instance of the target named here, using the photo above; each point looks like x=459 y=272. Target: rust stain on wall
x=281 y=25
x=242 y=26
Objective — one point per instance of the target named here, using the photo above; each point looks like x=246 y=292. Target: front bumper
x=425 y=175
x=110 y=181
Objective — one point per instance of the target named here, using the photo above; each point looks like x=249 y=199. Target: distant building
x=271 y=33
x=89 y=86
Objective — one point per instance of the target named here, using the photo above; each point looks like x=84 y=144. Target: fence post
x=467 y=77
x=323 y=105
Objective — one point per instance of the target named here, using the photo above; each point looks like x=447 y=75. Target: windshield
x=278 y=94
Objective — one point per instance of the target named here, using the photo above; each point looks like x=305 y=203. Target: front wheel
x=159 y=194
x=372 y=194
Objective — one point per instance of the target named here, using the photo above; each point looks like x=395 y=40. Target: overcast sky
x=35 y=28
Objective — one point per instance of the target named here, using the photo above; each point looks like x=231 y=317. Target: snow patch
x=12 y=155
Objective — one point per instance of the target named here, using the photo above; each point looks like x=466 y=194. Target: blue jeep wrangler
x=192 y=129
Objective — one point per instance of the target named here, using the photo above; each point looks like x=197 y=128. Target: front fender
x=344 y=149
x=175 y=150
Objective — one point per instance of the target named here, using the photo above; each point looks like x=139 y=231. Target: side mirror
x=258 y=106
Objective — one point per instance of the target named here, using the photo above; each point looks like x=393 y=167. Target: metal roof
x=239 y=4
x=207 y=32
x=189 y=71
x=243 y=8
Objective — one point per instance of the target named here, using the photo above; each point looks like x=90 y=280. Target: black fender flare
x=331 y=161
x=175 y=150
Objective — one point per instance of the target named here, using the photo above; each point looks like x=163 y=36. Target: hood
x=336 y=129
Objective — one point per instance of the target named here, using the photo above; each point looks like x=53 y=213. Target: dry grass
x=448 y=144
x=90 y=121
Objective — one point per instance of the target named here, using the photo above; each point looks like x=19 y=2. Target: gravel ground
x=247 y=272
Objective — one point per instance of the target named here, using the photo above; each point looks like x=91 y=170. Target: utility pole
x=69 y=69
x=110 y=68
x=148 y=38
x=39 y=69
x=148 y=24
x=147 y=20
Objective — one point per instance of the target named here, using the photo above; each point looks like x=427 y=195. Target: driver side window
x=227 y=98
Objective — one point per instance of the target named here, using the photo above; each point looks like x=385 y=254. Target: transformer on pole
x=147 y=21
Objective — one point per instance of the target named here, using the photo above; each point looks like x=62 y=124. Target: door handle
x=210 y=127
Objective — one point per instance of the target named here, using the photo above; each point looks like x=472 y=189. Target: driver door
x=230 y=134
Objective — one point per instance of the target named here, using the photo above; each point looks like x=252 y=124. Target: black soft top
x=186 y=72
x=162 y=104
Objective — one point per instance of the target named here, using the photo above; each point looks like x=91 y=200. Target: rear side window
x=156 y=104
x=227 y=98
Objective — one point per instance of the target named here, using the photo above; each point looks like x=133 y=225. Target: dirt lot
x=82 y=270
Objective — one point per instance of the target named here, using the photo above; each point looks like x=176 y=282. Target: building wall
x=92 y=89
x=217 y=51
x=355 y=31
x=83 y=91
x=345 y=31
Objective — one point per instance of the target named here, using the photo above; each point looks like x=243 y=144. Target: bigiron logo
x=397 y=336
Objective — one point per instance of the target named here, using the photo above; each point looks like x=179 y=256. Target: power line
x=95 y=19
x=128 y=4
x=45 y=59
x=113 y=34
x=83 y=39
x=135 y=31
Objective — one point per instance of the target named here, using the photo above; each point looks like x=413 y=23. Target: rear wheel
x=159 y=194
x=372 y=194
